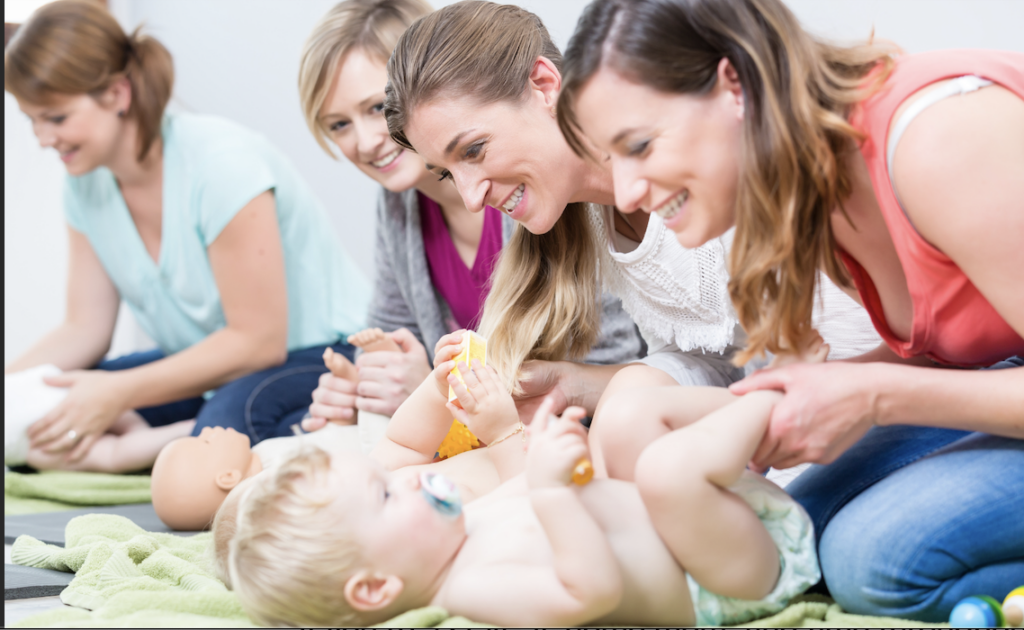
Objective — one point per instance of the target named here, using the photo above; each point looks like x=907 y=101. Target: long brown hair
x=543 y=302
x=372 y=26
x=798 y=93
x=77 y=47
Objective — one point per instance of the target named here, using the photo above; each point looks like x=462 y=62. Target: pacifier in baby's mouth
x=441 y=493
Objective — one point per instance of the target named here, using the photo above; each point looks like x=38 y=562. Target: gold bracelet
x=519 y=429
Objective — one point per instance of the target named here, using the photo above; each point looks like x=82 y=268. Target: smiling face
x=399 y=530
x=674 y=154
x=352 y=115
x=87 y=132
x=508 y=155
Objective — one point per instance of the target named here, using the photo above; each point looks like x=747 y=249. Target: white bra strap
x=959 y=85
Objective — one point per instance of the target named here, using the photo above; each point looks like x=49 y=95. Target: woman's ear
x=545 y=81
x=729 y=82
x=118 y=96
x=367 y=592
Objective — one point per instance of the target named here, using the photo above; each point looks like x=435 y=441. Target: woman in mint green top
x=212 y=168
x=219 y=248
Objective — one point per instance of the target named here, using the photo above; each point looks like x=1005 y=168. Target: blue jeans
x=910 y=520
x=262 y=405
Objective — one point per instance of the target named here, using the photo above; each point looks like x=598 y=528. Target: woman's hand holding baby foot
x=487 y=408
x=556 y=447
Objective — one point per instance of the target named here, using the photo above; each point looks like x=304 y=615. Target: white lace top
x=678 y=297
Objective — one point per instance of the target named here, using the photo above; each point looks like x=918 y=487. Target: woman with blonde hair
x=854 y=161
x=206 y=231
x=434 y=257
x=473 y=88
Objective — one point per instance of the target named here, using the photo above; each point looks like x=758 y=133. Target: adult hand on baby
x=387 y=379
x=487 y=409
x=333 y=400
x=94 y=402
x=556 y=446
x=540 y=380
x=827 y=407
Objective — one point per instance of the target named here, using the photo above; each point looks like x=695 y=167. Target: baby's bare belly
x=655 y=592
x=655 y=589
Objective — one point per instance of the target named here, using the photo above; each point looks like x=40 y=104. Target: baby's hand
x=556 y=446
x=447 y=348
x=487 y=408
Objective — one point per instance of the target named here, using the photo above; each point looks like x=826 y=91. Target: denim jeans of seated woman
x=262 y=405
x=910 y=520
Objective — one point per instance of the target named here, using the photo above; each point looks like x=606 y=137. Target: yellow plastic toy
x=460 y=439
x=1013 y=608
x=473 y=347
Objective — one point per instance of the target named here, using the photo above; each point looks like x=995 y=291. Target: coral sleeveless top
x=953 y=323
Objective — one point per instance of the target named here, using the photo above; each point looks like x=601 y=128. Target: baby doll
x=129 y=444
x=538 y=551
x=193 y=476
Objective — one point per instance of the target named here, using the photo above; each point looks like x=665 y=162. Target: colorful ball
x=1013 y=607
x=977 y=611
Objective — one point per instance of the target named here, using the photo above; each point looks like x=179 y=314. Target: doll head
x=193 y=475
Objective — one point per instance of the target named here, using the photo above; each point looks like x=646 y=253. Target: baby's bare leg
x=374 y=340
x=632 y=377
x=683 y=478
x=631 y=420
x=134 y=450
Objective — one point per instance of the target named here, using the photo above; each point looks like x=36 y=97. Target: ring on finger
x=72 y=435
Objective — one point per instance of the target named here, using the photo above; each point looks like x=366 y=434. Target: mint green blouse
x=212 y=169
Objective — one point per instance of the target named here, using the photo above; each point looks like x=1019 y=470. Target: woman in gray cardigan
x=433 y=256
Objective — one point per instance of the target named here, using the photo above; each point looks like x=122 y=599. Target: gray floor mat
x=49 y=526
x=25 y=582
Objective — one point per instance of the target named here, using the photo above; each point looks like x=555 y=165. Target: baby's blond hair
x=291 y=552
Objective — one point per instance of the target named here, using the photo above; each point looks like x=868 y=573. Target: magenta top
x=463 y=288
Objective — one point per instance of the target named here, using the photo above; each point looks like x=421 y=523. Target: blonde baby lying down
x=413 y=435
x=332 y=541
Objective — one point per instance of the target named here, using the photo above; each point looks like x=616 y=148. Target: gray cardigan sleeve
x=389 y=307
x=403 y=294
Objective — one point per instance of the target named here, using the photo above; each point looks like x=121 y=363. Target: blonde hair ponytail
x=544 y=297
x=544 y=291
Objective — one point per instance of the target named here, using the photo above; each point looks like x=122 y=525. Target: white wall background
x=239 y=58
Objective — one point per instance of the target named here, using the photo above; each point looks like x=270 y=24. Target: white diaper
x=791 y=529
x=26 y=399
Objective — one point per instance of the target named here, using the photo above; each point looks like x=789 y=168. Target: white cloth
x=843 y=323
x=678 y=297
x=26 y=399
x=333 y=438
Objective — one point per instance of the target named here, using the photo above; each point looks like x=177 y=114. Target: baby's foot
x=374 y=340
x=340 y=366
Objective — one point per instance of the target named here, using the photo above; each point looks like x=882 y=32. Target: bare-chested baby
x=696 y=539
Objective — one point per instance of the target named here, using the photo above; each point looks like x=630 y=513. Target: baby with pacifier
x=343 y=541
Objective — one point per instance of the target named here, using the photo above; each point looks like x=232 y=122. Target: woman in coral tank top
x=902 y=178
